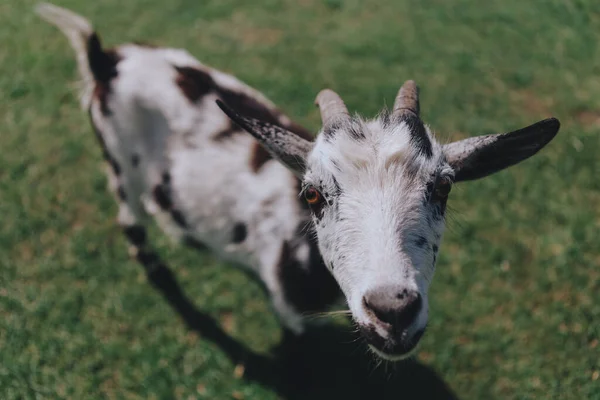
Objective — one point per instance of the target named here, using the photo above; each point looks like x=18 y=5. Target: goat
x=375 y=192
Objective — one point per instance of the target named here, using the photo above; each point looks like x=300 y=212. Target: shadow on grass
x=324 y=364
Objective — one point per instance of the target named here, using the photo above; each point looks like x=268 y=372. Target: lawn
x=515 y=305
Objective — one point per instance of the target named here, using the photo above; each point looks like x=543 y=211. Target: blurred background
x=515 y=304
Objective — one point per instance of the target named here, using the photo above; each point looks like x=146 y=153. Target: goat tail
x=94 y=64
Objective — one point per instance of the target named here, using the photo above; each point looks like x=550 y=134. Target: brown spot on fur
x=194 y=83
x=250 y=107
x=259 y=156
x=232 y=129
x=300 y=131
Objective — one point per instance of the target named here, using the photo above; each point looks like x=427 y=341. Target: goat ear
x=287 y=147
x=479 y=156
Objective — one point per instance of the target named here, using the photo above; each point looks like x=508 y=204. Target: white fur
x=367 y=234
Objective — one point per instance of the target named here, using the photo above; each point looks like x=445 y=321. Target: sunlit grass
x=515 y=304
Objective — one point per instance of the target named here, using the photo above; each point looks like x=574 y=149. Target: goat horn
x=331 y=106
x=407 y=99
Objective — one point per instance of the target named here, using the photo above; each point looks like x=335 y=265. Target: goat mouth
x=392 y=348
x=392 y=357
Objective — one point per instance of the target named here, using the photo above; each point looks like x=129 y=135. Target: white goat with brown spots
x=376 y=190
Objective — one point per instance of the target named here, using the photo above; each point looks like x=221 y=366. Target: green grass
x=515 y=305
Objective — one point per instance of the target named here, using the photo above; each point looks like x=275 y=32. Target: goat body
x=175 y=156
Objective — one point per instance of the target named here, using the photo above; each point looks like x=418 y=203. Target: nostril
x=399 y=309
x=402 y=295
x=382 y=312
x=411 y=309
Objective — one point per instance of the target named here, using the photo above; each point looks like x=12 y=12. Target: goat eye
x=442 y=188
x=312 y=196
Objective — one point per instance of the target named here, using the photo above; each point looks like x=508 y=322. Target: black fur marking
x=240 y=231
x=135 y=160
x=384 y=117
x=318 y=209
x=103 y=64
x=179 y=218
x=115 y=166
x=429 y=191
x=166 y=177
x=418 y=135
x=420 y=241
x=105 y=153
x=309 y=287
x=121 y=193
x=136 y=235
x=162 y=197
x=439 y=210
x=99 y=137
x=355 y=130
x=336 y=165
x=301 y=201
x=330 y=130
x=338 y=189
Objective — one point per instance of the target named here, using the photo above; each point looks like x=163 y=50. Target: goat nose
x=395 y=306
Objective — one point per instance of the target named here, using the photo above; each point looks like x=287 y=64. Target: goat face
x=377 y=190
